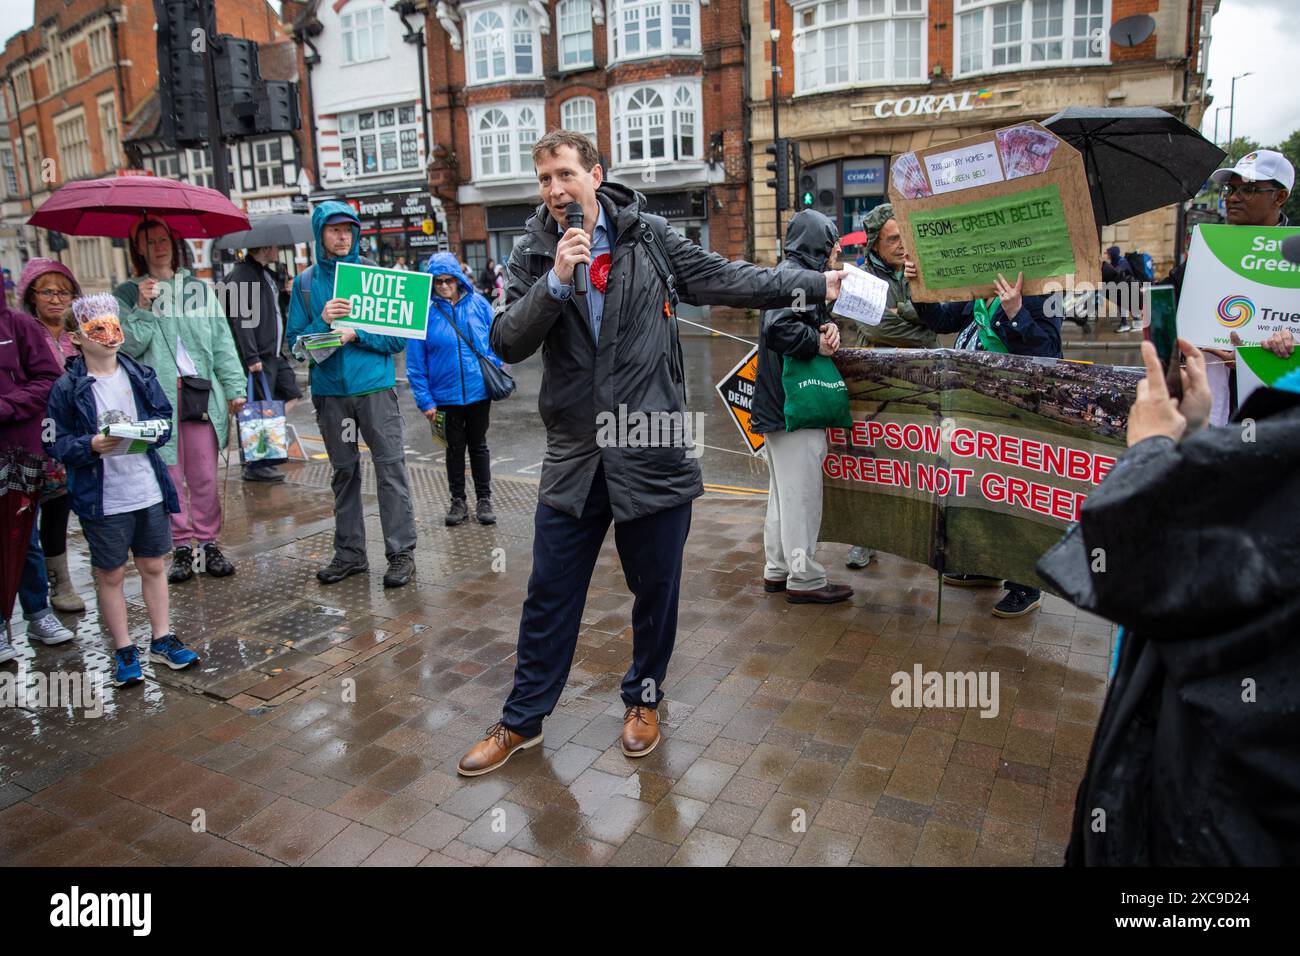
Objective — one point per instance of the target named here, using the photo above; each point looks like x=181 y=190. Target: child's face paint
x=103 y=330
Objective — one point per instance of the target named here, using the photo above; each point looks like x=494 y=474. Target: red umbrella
x=110 y=207
x=853 y=239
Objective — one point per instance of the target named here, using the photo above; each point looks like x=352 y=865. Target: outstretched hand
x=833 y=285
x=1154 y=412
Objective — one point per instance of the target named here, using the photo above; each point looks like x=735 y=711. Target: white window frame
x=32 y=155
x=855 y=19
x=484 y=42
x=99 y=48
x=88 y=257
x=351 y=29
x=512 y=140
x=9 y=187
x=109 y=131
x=74 y=154
x=406 y=126
x=60 y=71
x=979 y=39
x=264 y=163
x=585 y=105
x=573 y=22
x=23 y=85
x=628 y=124
x=628 y=19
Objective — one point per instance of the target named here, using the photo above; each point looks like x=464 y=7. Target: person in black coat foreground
x=1195 y=760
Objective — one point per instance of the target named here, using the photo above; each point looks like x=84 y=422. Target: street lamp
x=1217 y=111
x=1232 y=105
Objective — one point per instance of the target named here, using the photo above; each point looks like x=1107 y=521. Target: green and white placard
x=384 y=301
x=1236 y=280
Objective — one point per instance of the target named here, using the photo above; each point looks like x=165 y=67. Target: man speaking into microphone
x=597 y=289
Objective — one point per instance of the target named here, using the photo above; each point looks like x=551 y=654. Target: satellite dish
x=1132 y=30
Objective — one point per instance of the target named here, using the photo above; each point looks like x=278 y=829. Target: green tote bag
x=815 y=394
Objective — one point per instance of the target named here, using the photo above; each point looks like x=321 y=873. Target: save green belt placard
x=384 y=301
x=969 y=244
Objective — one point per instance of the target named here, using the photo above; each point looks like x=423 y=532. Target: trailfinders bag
x=815 y=394
x=262 y=433
x=496 y=380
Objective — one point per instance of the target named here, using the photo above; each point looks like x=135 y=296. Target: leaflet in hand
x=318 y=346
x=139 y=435
x=862 y=296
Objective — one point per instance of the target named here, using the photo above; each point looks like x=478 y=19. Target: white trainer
x=48 y=629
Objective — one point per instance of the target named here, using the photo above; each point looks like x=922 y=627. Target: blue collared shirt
x=595 y=298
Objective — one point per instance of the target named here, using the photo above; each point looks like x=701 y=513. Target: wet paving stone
x=324 y=723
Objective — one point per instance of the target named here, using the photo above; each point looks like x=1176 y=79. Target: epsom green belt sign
x=970 y=243
x=384 y=301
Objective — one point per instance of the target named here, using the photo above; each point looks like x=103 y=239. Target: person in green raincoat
x=174 y=323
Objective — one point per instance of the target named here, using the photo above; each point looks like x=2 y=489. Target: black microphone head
x=573 y=215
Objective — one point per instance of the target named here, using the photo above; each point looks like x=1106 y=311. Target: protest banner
x=970 y=462
x=1010 y=201
x=1237 y=280
x=384 y=301
x=737 y=393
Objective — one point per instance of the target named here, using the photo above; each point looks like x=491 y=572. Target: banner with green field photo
x=970 y=462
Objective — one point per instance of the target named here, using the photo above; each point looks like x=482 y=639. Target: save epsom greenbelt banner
x=970 y=462
x=384 y=301
x=1237 y=280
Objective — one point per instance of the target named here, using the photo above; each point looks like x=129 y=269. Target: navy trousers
x=565 y=549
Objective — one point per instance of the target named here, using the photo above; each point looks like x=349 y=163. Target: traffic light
x=182 y=82
x=779 y=165
x=807 y=192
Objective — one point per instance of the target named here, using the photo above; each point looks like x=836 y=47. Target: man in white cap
x=1254 y=191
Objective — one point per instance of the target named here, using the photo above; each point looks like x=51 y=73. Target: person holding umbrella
x=29 y=372
x=173 y=322
x=258 y=328
x=46 y=289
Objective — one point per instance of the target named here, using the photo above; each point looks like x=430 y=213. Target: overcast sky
x=1257 y=36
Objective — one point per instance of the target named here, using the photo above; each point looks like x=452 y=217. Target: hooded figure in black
x=1196 y=757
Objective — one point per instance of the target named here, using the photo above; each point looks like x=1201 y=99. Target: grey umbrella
x=1138 y=158
x=281 y=229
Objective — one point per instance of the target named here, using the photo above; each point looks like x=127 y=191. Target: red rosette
x=599 y=271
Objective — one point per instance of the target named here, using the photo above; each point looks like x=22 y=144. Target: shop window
x=380 y=141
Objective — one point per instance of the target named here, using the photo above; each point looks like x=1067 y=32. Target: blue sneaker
x=170 y=651
x=126 y=666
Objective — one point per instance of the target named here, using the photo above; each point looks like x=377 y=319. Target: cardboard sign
x=1236 y=280
x=1010 y=201
x=384 y=301
x=737 y=393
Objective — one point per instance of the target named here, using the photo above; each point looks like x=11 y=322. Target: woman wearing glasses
x=445 y=376
x=46 y=289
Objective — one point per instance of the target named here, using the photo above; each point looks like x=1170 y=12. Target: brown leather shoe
x=640 y=731
x=773 y=587
x=494 y=750
x=827 y=594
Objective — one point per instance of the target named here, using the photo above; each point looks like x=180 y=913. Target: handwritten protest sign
x=384 y=301
x=970 y=462
x=1012 y=200
x=1237 y=280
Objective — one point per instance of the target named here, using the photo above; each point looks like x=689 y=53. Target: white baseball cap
x=1260 y=165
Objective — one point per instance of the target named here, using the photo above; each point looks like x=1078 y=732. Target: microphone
x=573 y=217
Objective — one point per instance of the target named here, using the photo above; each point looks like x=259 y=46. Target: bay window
x=645 y=28
x=840 y=43
x=503 y=137
x=995 y=35
x=656 y=122
x=504 y=43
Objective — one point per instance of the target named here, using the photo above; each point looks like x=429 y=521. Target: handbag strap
x=455 y=328
x=266 y=386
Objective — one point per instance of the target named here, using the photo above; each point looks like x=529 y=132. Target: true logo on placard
x=1235 y=311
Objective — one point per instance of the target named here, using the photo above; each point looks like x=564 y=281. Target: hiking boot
x=1018 y=601
x=182 y=568
x=48 y=629
x=483 y=511
x=216 y=563
x=400 y=571
x=457 y=513
x=337 y=570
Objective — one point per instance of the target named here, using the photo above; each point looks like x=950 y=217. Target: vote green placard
x=970 y=243
x=384 y=301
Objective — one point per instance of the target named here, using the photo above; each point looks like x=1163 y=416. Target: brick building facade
x=862 y=80
x=658 y=84
x=72 y=82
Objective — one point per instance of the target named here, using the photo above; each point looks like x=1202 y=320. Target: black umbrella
x=281 y=229
x=1138 y=158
